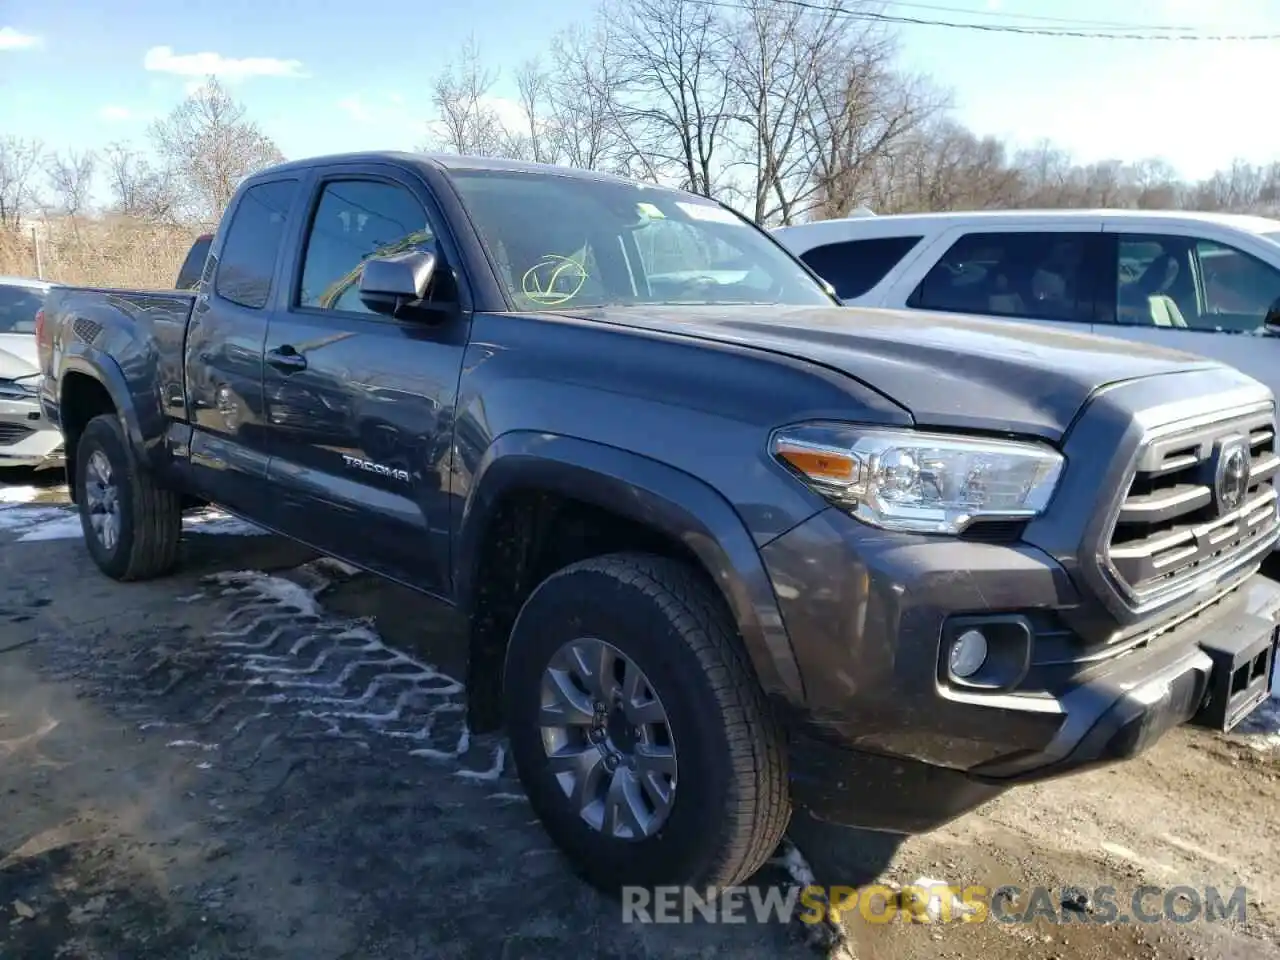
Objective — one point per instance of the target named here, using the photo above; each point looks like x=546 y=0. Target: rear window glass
x=853 y=267
x=248 y=258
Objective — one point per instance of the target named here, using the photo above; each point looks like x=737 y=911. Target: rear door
x=224 y=343
x=1192 y=288
x=359 y=404
x=1039 y=273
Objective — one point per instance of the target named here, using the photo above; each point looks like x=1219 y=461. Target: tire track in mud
x=282 y=661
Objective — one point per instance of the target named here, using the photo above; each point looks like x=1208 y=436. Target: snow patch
x=18 y=494
x=34 y=522
x=18 y=519
x=213 y=521
x=293 y=658
x=276 y=590
x=65 y=526
x=797 y=867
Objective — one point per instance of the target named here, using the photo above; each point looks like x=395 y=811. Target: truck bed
x=140 y=332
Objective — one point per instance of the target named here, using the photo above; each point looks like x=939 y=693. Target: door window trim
x=421 y=192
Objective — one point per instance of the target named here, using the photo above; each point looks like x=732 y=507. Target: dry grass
x=117 y=252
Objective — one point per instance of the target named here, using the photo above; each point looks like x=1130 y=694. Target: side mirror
x=1271 y=322
x=390 y=284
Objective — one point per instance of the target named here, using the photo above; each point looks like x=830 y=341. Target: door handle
x=286 y=359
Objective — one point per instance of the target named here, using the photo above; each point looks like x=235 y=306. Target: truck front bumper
x=888 y=742
x=27 y=439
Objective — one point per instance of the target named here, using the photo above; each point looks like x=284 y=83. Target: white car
x=1208 y=284
x=27 y=438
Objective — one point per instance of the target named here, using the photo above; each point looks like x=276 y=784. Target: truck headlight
x=908 y=480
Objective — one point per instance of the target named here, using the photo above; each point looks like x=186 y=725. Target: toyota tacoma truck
x=726 y=548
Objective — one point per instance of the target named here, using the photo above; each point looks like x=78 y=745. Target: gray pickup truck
x=726 y=548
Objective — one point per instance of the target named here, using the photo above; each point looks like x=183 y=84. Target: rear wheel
x=131 y=525
x=644 y=742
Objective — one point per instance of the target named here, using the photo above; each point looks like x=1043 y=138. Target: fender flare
x=651 y=493
x=104 y=369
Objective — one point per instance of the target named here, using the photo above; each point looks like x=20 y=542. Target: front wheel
x=641 y=736
x=131 y=525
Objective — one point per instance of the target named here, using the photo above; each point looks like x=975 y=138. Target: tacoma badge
x=368 y=466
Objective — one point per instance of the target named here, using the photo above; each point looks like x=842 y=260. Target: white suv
x=1204 y=283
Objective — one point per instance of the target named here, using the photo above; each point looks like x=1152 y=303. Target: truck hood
x=18 y=356
x=946 y=370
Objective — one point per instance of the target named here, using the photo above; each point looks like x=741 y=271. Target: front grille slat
x=1171 y=525
x=11 y=433
x=1165 y=504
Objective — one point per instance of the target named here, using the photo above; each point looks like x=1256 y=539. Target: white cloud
x=510 y=113
x=355 y=108
x=11 y=39
x=164 y=60
x=112 y=112
x=384 y=108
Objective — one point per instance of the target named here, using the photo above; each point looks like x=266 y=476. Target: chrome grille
x=1173 y=524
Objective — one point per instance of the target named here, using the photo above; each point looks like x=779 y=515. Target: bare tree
x=674 y=108
x=210 y=143
x=138 y=189
x=864 y=115
x=19 y=164
x=779 y=52
x=468 y=122
x=1156 y=185
x=583 y=96
x=71 y=175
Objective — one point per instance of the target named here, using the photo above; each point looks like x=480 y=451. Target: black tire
x=731 y=805
x=150 y=516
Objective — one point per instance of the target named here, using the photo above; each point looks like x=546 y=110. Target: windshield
x=1274 y=236
x=566 y=243
x=18 y=307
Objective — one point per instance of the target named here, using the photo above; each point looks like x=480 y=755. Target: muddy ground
x=263 y=757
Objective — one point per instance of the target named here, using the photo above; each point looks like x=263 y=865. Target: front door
x=1186 y=292
x=359 y=404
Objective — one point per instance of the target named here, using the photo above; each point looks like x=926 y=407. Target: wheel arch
x=524 y=482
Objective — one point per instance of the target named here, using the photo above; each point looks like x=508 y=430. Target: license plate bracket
x=1240 y=680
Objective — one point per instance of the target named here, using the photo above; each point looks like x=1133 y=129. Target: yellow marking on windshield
x=540 y=281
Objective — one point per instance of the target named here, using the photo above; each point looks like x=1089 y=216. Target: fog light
x=968 y=654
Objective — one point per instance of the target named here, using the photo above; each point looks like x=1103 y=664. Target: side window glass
x=855 y=266
x=1155 y=286
x=1239 y=289
x=1031 y=275
x=356 y=220
x=249 y=254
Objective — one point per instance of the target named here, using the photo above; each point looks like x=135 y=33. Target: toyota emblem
x=1231 y=482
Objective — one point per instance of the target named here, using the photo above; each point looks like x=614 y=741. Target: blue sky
x=327 y=75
